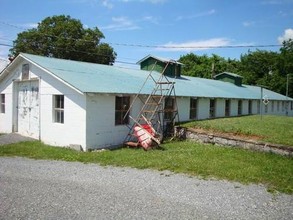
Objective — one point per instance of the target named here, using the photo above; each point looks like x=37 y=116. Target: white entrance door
x=28 y=108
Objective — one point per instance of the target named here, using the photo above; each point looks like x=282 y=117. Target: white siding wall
x=245 y=107
x=220 y=108
x=6 y=118
x=254 y=107
x=72 y=131
x=234 y=107
x=7 y=88
x=203 y=108
x=183 y=104
x=101 y=130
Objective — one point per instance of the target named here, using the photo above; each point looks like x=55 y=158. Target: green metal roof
x=97 y=78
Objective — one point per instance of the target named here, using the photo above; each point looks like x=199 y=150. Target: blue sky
x=165 y=28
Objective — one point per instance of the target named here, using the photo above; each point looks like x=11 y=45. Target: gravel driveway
x=41 y=189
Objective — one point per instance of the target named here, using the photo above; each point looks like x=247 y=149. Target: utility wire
x=153 y=46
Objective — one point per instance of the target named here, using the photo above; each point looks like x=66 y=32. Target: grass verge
x=206 y=161
x=272 y=129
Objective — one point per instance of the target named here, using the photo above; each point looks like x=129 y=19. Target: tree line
x=260 y=67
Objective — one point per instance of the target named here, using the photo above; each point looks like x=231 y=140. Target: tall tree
x=66 y=38
x=286 y=64
x=204 y=66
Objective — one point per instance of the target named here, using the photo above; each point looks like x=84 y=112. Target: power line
x=193 y=47
x=156 y=46
x=6 y=45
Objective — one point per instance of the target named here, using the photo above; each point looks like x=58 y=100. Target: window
x=250 y=107
x=25 y=71
x=258 y=107
x=58 y=110
x=2 y=102
x=273 y=106
x=122 y=104
x=193 y=108
x=227 y=108
x=169 y=108
x=212 y=108
x=239 y=107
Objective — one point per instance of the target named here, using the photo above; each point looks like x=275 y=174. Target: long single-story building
x=71 y=103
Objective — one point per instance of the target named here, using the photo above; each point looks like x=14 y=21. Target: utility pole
x=287 y=93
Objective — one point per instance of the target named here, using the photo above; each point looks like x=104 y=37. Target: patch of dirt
x=226 y=134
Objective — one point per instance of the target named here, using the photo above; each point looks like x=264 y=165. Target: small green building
x=158 y=64
x=229 y=77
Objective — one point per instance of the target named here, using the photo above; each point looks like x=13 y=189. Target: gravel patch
x=41 y=189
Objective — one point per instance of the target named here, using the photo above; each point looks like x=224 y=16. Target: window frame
x=250 y=103
x=193 y=108
x=58 y=108
x=213 y=106
x=239 y=110
x=169 y=106
x=122 y=104
x=25 y=71
x=2 y=103
x=227 y=107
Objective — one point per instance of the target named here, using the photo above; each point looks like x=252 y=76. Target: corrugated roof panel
x=97 y=78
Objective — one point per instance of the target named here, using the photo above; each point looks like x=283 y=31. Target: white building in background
x=71 y=103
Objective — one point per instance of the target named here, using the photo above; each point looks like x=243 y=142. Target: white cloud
x=121 y=23
x=197 y=15
x=288 y=34
x=29 y=25
x=196 y=45
x=248 y=23
x=150 y=19
x=108 y=4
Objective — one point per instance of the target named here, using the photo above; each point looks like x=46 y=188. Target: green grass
x=272 y=129
x=206 y=161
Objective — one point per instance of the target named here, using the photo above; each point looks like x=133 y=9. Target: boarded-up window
x=2 y=103
x=239 y=107
x=169 y=108
x=58 y=108
x=250 y=107
x=193 y=108
x=25 y=71
x=212 y=108
x=227 y=108
x=121 y=107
